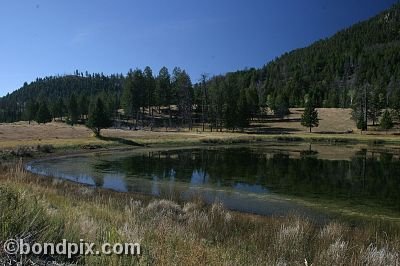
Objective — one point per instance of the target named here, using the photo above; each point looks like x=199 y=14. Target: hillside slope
x=335 y=68
x=332 y=72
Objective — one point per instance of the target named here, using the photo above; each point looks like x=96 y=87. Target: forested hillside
x=356 y=66
x=333 y=70
x=56 y=89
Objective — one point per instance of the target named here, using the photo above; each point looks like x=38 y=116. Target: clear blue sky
x=47 y=37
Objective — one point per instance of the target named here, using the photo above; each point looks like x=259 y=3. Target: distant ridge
x=332 y=71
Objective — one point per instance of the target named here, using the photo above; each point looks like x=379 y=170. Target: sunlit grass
x=63 y=136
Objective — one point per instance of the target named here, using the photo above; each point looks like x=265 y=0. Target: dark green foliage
x=280 y=106
x=243 y=110
x=83 y=105
x=182 y=85
x=58 y=108
x=376 y=104
x=133 y=96
x=98 y=117
x=163 y=93
x=396 y=104
x=31 y=110
x=310 y=116
x=230 y=116
x=230 y=112
x=364 y=53
x=216 y=103
x=43 y=114
x=73 y=111
x=386 y=121
x=361 y=123
x=335 y=71
x=52 y=88
x=252 y=100
x=111 y=102
x=361 y=107
x=149 y=87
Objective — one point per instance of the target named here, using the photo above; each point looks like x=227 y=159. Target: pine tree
x=43 y=114
x=386 y=121
x=83 y=105
x=128 y=98
x=73 y=110
x=281 y=106
x=252 y=100
x=243 y=113
x=61 y=109
x=57 y=109
x=396 y=105
x=31 y=110
x=150 y=87
x=361 y=107
x=164 y=93
x=230 y=116
x=360 y=122
x=133 y=94
x=98 y=117
x=376 y=104
x=183 y=87
x=310 y=116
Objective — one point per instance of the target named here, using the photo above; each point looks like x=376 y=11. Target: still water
x=260 y=179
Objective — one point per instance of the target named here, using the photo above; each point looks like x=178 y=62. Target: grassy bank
x=171 y=232
x=62 y=136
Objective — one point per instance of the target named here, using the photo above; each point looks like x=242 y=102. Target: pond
x=263 y=179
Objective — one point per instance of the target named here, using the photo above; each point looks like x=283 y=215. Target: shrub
x=46 y=148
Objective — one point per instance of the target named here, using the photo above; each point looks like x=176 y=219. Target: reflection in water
x=244 y=178
x=115 y=182
x=199 y=177
x=250 y=188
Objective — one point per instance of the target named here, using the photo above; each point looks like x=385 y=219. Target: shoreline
x=187 y=232
x=339 y=209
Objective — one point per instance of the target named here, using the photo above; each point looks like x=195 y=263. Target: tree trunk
x=170 y=115
x=365 y=109
x=142 y=117
x=137 y=118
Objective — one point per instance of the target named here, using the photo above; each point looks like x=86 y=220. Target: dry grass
x=190 y=233
x=332 y=121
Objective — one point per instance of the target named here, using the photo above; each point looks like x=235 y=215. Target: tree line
x=138 y=99
x=356 y=68
x=142 y=99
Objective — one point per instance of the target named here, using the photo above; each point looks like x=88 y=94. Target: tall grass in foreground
x=191 y=233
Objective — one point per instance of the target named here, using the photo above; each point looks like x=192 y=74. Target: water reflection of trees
x=365 y=176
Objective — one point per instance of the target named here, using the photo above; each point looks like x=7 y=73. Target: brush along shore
x=40 y=209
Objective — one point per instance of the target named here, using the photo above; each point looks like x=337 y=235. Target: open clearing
x=334 y=123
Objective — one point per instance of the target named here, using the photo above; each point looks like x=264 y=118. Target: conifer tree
x=73 y=110
x=310 y=116
x=243 y=113
x=43 y=115
x=31 y=110
x=98 y=117
x=386 y=121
